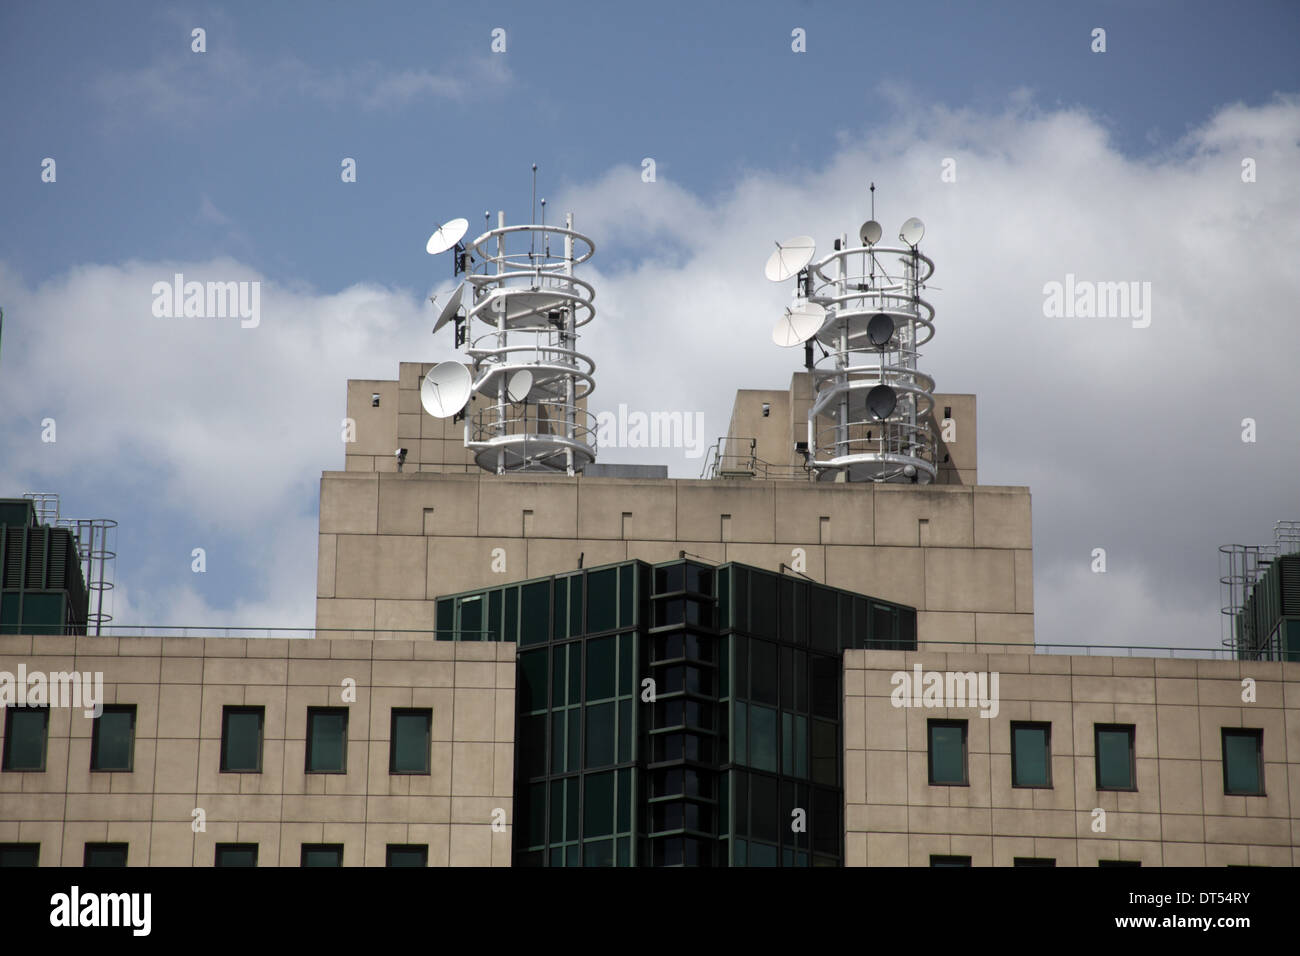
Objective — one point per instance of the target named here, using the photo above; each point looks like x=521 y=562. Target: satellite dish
x=448 y=310
x=799 y=323
x=880 y=330
x=912 y=231
x=445 y=389
x=881 y=401
x=790 y=256
x=519 y=385
x=446 y=236
x=870 y=232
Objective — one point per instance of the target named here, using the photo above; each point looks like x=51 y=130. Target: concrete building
x=397 y=735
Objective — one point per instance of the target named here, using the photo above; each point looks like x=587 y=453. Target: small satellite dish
x=449 y=310
x=880 y=330
x=870 y=232
x=446 y=236
x=790 y=256
x=445 y=389
x=912 y=231
x=881 y=401
x=799 y=323
x=519 y=385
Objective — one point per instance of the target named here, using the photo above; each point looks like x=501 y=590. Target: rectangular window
x=20 y=854
x=322 y=854
x=241 y=739
x=410 y=740
x=1031 y=755
x=947 y=755
x=327 y=740
x=1116 y=769
x=236 y=854
x=112 y=742
x=407 y=854
x=1034 y=861
x=26 y=729
x=1243 y=761
x=949 y=860
x=105 y=854
x=1119 y=862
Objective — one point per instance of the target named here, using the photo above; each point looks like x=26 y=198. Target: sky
x=1171 y=158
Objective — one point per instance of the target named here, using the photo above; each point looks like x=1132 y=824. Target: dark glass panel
x=624 y=730
x=763 y=672
x=575 y=736
x=535 y=815
x=535 y=613
x=825 y=686
x=407 y=855
x=825 y=823
x=825 y=753
x=1241 y=760
x=740 y=734
x=602 y=600
x=600 y=668
x=626 y=618
x=410 y=741
x=575 y=605
x=762 y=738
x=25 y=733
x=471 y=618
x=763 y=621
x=626 y=664
x=600 y=735
x=624 y=800
x=532 y=745
x=327 y=740
x=598 y=805
x=494 y=616
x=532 y=680
x=241 y=740
x=114 y=741
x=787 y=678
x=510 y=625
x=765 y=809
x=446 y=621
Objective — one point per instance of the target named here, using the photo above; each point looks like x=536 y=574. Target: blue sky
x=230 y=160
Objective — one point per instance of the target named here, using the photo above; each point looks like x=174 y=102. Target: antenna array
x=520 y=331
x=871 y=417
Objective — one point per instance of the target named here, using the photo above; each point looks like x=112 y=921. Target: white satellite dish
x=790 y=256
x=912 y=231
x=519 y=385
x=445 y=389
x=446 y=236
x=799 y=323
x=449 y=309
x=870 y=232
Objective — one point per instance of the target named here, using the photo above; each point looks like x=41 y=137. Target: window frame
x=392 y=741
x=218 y=848
x=21 y=847
x=930 y=726
x=1258 y=734
x=390 y=847
x=1045 y=725
x=307 y=847
x=94 y=739
x=1097 y=730
x=951 y=861
x=313 y=712
x=5 y=760
x=104 y=845
x=226 y=711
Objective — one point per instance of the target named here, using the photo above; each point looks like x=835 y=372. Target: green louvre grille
x=13 y=556
x=1290 y=569
x=35 y=577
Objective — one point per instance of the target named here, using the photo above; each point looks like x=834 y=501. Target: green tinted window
x=42 y=613
x=235 y=854
x=20 y=854
x=1241 y=762
x=1031 y=761
x=1115 y=758
x=471 y=619
x=947 y=752
x=404 y=854
x=600 y=668
x=327 y=740
x=602 y=600
x=241 y=740
x=535 y=612
x=25 y=731
x=598 y=805
x=105 y=854
x=532 y=681
x=322 y=854
x=762 y=738
x=113 y=742
x=410 y=744
x=600 y=735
